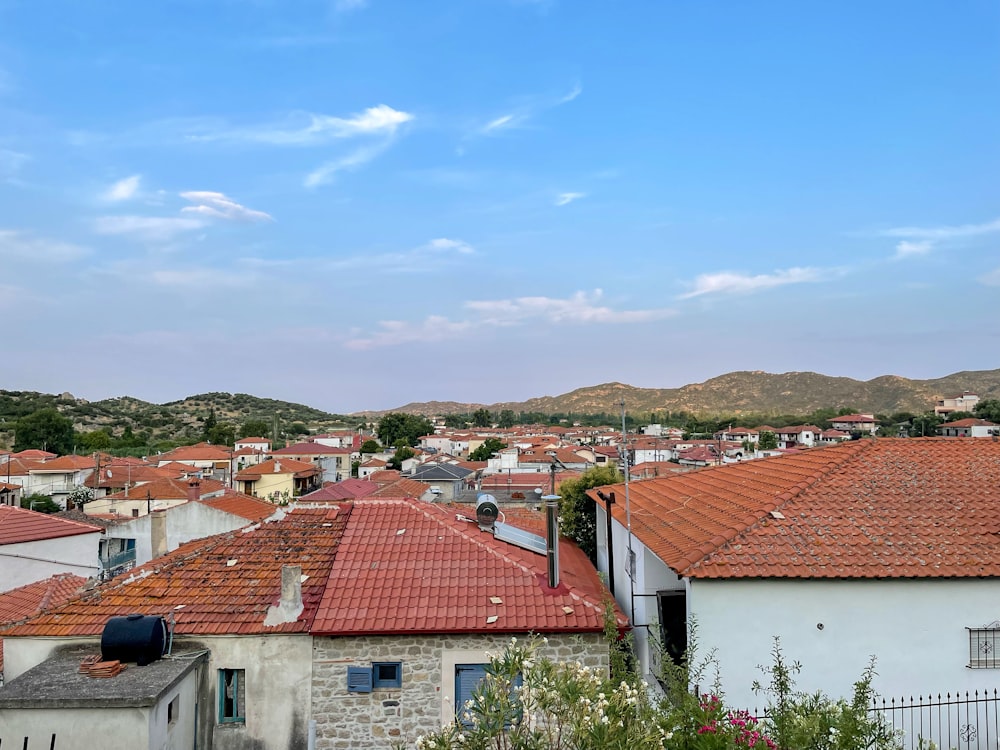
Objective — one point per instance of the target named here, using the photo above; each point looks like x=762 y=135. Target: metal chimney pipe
x=552 y=538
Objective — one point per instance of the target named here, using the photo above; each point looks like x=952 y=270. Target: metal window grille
x=984 y=648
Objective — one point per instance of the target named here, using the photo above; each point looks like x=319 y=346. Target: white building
x=34 y=546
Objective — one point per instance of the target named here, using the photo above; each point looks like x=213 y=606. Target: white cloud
x=123 y=190
x=581 y=307
x=565 y=198
x=520 y=116
x=573 y=94
x=307 y=128
x=325 y=173
x=502 y=123
x=220 y=206
x=200 y=277
x=727 y=282
x=15 y=244
x=943 y=233
x=151 y=228
x=910 y=248
x=991 y=278
x=443 y=244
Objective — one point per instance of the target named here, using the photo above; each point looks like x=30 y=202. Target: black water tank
x=137 y=638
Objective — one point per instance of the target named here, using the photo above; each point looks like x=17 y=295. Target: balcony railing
x=118 y=562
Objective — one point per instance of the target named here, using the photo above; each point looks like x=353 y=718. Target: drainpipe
x=552 y=538
x=609 y=500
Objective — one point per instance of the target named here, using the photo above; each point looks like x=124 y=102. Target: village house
x=964 y=401
x=334 y=461
x=883 y=547
x=34 y=546
x=279 y=479
x=855 y=423
x=969 y=427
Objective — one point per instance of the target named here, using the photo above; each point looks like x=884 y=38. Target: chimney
x=158 y=532
x=290 y=606
x=277 y=467
x=552 y=538
x=194 y=490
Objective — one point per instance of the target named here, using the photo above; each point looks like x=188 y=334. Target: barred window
x=984 y=647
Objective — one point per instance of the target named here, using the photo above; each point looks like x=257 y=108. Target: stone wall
x=386 y=718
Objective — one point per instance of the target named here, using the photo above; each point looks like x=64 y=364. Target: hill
x=173 y=421
x=754 y=392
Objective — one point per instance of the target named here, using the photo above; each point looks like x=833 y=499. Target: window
x=172 y=710
x=983 y=646
x=467 y=678
x=359 y=680
x=232 y=696
x=387 y=674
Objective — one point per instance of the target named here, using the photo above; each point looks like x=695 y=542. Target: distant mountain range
x=744 y=392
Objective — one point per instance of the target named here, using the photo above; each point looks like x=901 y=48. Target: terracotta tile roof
x=20 y=603
x=67 y=464
x=401 y=488
x=167 y=489
x=9 y=487
x=198 y=452
x=310 y=449
x=525 y=480
x=133 y=474
x=19 y=467
x=179 y=470
x=219 y=585
x=891 y=508
x=279 y=466
x=385 y=476
x=968 y=422
x=410 y=567
x=34 y=454
x=240 y=504
x=21 y=525
x=349 y=489
x=253 y=440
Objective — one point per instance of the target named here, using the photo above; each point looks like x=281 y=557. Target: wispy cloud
x=220 y=206
x=15 y=244
x=325 y=173
x=737 y=283
x=122 y=190
x=911 y=248
x=310 y=129
x=580 y=308
x=944 y=232
x=427 y=257
x=149 y=228
x=564 y=199
x=991 y=278
x=11 y=162
x=520 y=115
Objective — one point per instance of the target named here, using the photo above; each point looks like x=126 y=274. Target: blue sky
x=360 y=203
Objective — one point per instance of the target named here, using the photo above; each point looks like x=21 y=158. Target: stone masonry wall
x=386 y=718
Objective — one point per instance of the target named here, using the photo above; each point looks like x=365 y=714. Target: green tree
x=96 y=440
x=370 y=446
x=41 y=503
x=402 y=453
x=222 y=434
x=254 y=428
x=209 y=423
x=486 y=450
x=925 y=425
x=577 y=512
x=767 y=441
x=506 y=418
x=456 y=421
x=989 y=410
x=482 y=417
x=45 y=429
x=297 y=428
x=397 y=426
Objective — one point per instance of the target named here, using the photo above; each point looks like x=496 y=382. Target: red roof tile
x=20 y=603
x=198 y=452
x=900 y=508
x=407 y=567
x=20 y=525
x=968 y=422
x=168 y=489
x=240 y=504
x=278 y=466
x=310 y=449
x=221 y=584
x=349 y=489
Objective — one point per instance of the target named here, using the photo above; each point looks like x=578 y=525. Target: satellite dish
x=486 y=511
x=109 y=473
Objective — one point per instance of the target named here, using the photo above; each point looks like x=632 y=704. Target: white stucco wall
x=110 y=729
x=184 y=522
x=915 y=628
x=28 y=562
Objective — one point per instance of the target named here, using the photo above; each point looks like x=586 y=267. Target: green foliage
x=506 y=418
x=254 y=428
x=816 y=721
x=40 y=503
x=402 y=453
x=222 y=434
x=989 y=409
x=297 y=428
x=370 y=446
x=456 y=421
x=767 y=441
x=96 y=440
x=482 y=418
x=957 y=415
x=397 y=426
x=925 y=425
x=577 y=512
x=45 y=429
x=486 y=450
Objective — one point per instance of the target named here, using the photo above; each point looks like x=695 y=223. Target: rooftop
x=19 y=525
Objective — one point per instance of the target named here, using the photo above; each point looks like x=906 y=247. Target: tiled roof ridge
x=752 y=521
x=440 y=519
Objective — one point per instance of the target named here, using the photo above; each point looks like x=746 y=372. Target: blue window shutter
x=359 y=680
x=467 y=677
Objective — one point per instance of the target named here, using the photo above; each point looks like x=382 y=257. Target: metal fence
x=959 y=721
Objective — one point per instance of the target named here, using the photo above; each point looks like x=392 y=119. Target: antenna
x=630 y=559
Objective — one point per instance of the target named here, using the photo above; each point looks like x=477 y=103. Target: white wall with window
x=921 y=631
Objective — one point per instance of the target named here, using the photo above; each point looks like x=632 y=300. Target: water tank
x=486 y=510
x=139 y=639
